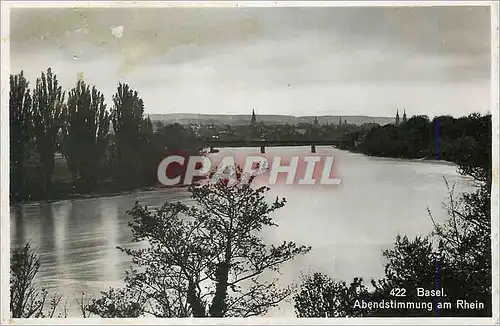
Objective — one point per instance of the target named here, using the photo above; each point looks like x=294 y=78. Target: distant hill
x=235 y=119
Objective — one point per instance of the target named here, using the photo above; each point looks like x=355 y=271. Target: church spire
x=404 y=116
x=254 y=118
x=397 y=117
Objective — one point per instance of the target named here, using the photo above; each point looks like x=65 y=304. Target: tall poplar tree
x=85 y=132
x=48 y=106
x=21 y=131
x=128 y=121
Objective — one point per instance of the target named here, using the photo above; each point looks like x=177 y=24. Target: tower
x=404 y=116
x=254 y=119
x=397 y=117
x=340 y=121
x=316 y=121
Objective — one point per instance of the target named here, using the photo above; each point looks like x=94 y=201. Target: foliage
x=116 y=303
x=206 y=259
x=48 y=106
x=84 y=303
x=465 y=141
x=85 y=133
x=95 y=158
x=128 y=123
x=26 y=298
x=320 y=296
x=176 y=137
x=21 y=132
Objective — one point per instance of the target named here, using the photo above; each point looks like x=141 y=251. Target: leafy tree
x=410 y=264
x=176 y=137
x=48 y=107
x=474 y=147
x=458 y=260
x=85 y=132
x=21 y=131
x=158 y=124
x=26 y=299
x=320 y=296
x=465 y=247
x=128 y=124
x=147 y=126
x=116 y=303
x=465 y=141
x=205 y=260
x=167 y=140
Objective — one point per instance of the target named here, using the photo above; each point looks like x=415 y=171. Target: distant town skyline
x=285 y=61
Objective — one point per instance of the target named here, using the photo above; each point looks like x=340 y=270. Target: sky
x=297 y=61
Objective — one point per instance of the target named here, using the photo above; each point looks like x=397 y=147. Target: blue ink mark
x=436 y=285
x=436 y=139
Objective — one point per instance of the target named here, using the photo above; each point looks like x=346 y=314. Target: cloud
x=336 y=60
x=152 y=32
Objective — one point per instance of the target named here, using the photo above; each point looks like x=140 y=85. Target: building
x=398 y=120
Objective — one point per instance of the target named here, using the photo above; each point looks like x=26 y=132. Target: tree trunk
x=218 y=307
x=194 y=301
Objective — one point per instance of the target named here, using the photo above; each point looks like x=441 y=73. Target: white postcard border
x=4 y=162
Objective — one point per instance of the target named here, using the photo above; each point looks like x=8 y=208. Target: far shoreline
x=90 y=195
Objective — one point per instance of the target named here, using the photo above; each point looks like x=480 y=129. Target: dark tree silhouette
x=465 y=141
x=48 y=107
x=21 y=132
x=206 y=260
x=85 y=133
x=410 y=264
x=128 y=123
x=26 y=298
x=320 y=296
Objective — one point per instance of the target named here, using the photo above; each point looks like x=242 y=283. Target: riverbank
x=94 y=194
x=64 y=187
x=424 y=159
x=61 y=196
x=416 y=160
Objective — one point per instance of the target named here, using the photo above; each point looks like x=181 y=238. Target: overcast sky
x=299 y=61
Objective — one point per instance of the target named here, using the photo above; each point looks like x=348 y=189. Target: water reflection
x=109 y=229
x=17 y=226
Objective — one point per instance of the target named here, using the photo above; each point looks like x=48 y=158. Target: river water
x=347 y=225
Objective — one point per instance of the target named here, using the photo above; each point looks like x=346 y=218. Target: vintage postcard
x=250 y=162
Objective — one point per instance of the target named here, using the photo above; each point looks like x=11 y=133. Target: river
x=347 y=225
